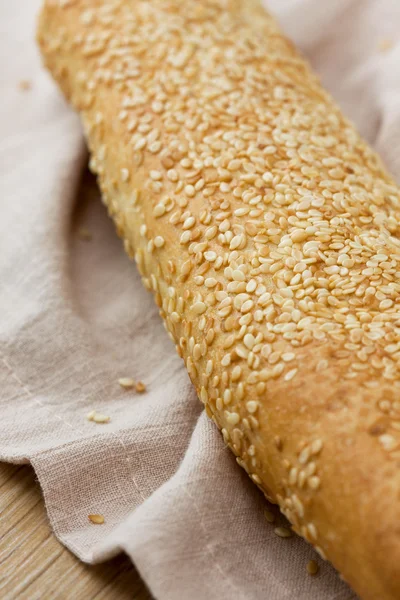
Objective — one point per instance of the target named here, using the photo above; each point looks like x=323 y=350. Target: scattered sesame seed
x=97 y=417
x=312 y=567
x=96 y=519
x=140 y=387
x=283 y=532
x=270 y=517
x=126 y=382
x=85 y=234
x=385 y=44
x=25 y=85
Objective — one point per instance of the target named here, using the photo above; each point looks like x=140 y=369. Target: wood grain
x=35 y=566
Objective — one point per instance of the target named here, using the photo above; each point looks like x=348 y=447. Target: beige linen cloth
x=74 y=318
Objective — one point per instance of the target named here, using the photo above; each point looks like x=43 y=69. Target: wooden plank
x=35 y=566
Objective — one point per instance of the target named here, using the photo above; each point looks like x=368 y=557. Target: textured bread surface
x=268 y=232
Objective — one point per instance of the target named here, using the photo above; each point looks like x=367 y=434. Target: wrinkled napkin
x=75 y=318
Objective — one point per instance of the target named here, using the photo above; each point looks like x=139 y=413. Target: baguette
x=268 y=232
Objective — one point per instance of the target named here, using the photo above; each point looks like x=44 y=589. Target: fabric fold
x=75 y=318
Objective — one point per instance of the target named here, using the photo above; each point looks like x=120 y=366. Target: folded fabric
x=75 y=319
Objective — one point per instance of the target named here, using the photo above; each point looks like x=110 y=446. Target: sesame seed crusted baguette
x=268 y=232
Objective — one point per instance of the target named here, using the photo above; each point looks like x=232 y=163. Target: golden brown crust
x=268 y=232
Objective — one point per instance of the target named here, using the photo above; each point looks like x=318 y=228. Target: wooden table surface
x=35 y=566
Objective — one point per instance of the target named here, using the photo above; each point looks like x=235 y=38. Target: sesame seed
x=290 y=374
x=203 y=395
x=304 y=455
x=199 y=308
x=388 y=442
x=312 y=567
x=249 y=341
x=25 y=85
x=227 y=396
x=232 y=418
x=316 y=447
x=155 y=175
x=185 y=237
x=385 y=304
x=247 y=306
x=314 y=482
x=236 y=373
x=96 y=519
x=159 y=210
x=283 y=532
x=126 y=382
x=124 y=175
x=298 y=235
x=252 y=406
x=320 y=552
x=190 y=191
x=210 y=256
x=385 y=44
x=270 y=517
x=85 y=234
x=99 y=418
x=188 y=223
x=312 y=530
x=159 y=241
x=293 y=475
x=235 y=242
x=140 y=387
